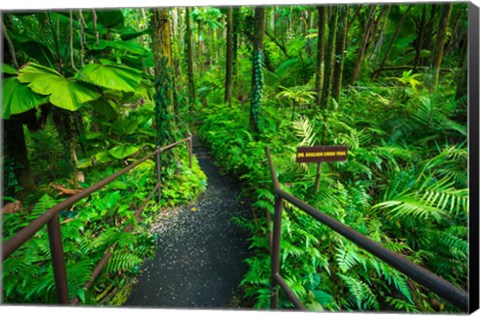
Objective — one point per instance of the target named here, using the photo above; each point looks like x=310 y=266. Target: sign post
x=320 y=154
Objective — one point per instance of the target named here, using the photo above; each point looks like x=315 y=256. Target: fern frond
x=304 y=130
x=348 y=257
x=361 y=293
x=122 y=261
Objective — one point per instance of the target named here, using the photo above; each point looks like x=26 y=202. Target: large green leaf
x=39 y=52
x=115 y=77
x=123 y=151
x=128 y=35
x=6 y=69
x=110 y=18
x=33 y=48
x=66 y=93
x=18 y=98
x=106 y=107
x=124 y=126
x=132 y=47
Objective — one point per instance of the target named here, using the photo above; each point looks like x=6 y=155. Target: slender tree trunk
x=380 y=38
x=373 y=33
x=330 y=57
x=354 y=16
x=200 y=45
x=340 y=51
x=363 y=44
x=10 y=54
x=15 y=145
x=188 y=43
x=257 y=69
x=229 y=58
x=67 y=127
x=420 y=37
x=320 y=53
x=462 y=81
x=442 y=34
x=236 y=21
x=399 y=27
x=429 y=34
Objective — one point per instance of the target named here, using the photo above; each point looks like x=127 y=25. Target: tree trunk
x=164 y=97
x=15 y=145
x=320 y=53
x=363 y=44
x=420 y=37
x=399 y=27
x=378 y=46
x=429 y=35
x=330 y=57
x=354 y=16
x=188 y=43
x=340 y=51
x=200 y=45
x=229 y=58
x=257 y=69
x=236 y=20
x=462 y=79
x=442 y=34
x=376 y=25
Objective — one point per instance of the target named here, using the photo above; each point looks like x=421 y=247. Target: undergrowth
x=403 y=185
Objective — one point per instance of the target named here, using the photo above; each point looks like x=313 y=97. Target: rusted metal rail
x=51 y=219
x=448 y=291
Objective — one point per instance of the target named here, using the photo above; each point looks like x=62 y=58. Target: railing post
x=58 y=260
x=275 y=253
x=159 y=175
x=190 y=149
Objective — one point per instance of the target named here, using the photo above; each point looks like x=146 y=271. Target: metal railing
x=51 y=219
x=448 y=291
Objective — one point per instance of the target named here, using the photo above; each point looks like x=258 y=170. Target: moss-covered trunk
x=257 y=69
x=166 y=130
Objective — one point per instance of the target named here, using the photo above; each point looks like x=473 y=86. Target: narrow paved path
x=199 y=262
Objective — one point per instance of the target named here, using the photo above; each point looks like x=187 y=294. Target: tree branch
x=10 y=44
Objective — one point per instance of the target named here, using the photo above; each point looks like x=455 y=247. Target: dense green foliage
x=404 y=183
x=112 y=123
x=410 y=197
x=384 y=88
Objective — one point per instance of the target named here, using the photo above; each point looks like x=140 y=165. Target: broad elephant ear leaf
x=106 y=107
x=110 y=18
x=132 y=47
x=66 y=93
x=18 y=98
x=123 y=151
x=6 y=69
x=114 y=77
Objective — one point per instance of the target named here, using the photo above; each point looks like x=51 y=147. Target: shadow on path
x=199 y=262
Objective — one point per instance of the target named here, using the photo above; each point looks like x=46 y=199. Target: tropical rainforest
x=86 y=92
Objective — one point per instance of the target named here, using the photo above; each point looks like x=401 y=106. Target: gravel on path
x=199 y=261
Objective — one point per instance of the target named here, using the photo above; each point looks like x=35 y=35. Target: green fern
x=361 y=295
x=121 y=261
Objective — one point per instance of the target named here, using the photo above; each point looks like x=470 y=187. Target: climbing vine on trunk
x=258 y=63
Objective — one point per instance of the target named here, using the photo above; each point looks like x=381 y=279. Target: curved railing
x=448 y=291
x=51 y=219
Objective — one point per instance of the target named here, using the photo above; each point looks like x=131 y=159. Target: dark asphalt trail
x=199 y=262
